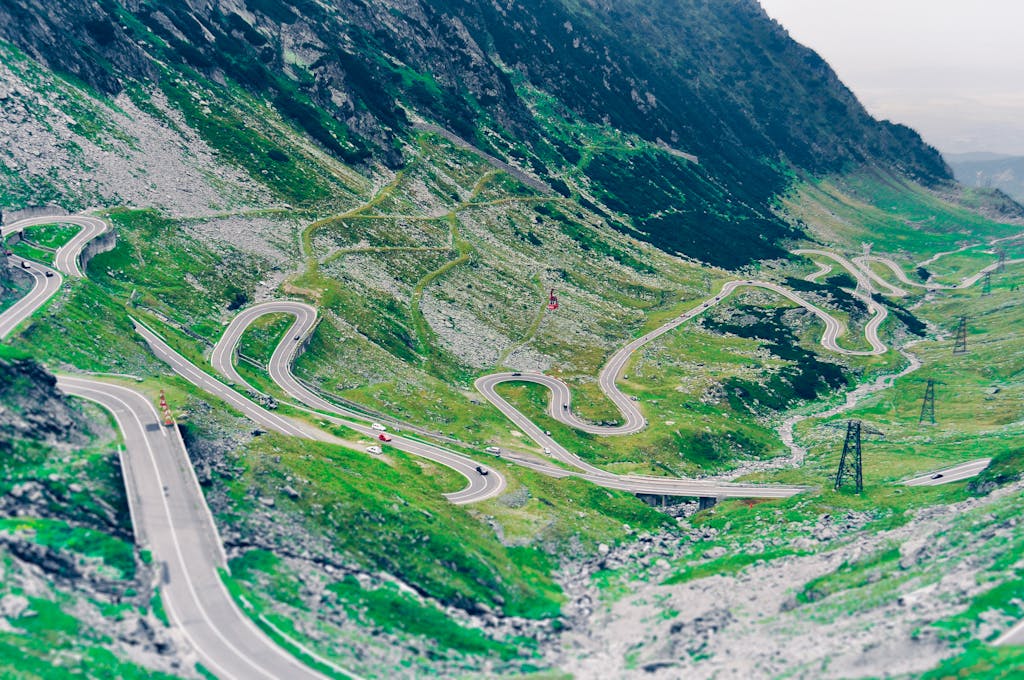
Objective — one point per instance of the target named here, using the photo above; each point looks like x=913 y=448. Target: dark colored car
x=481 y=470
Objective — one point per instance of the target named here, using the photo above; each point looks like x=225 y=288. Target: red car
x=384 y=437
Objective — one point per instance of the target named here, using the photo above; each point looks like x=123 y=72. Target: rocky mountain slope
x=9 y=288
x=424 y=174
x=717 y=81
x=73 y=584
x=33 y=410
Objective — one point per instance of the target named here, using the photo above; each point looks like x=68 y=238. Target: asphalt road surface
x=479 y=487
x=280 y=371
x=172 y=520
x=261 y=416
x=65 y=259
x=43 y=288
x=971 y=468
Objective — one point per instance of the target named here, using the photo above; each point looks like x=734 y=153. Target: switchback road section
x=172 y=520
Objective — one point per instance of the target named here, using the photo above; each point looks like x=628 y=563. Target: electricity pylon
x=851 y=463
x=928 y=405
x=960 y=347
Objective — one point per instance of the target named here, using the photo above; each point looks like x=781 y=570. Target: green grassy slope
x=68 y=556
x=435 y=274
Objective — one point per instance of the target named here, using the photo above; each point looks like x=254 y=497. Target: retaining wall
x=101 y=244
x=8 y=217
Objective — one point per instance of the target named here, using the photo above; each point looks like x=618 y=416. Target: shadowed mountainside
x=720 y=81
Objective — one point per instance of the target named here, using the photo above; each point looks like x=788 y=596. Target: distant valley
x=990 y=171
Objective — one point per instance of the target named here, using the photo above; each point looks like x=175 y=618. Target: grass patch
x=27 y=251
x=159 y=267
x=262 y=336
x=391 y=516
x=393 y=611
x=1006 y=467
x=892 y=214
x=115 y=553
x=82 y=326
x=51 y=235
x=725 y=566
x=851 y=575
x=978 y=660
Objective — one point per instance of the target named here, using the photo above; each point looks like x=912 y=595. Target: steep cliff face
x=32 y=408
x=720 y=81
x=710 y=77
x=8 y=291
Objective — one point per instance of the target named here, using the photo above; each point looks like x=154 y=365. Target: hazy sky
x=951 y=69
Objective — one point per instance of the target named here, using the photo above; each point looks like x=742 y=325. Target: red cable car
x=552 y=301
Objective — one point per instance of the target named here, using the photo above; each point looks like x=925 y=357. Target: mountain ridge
x=422 y=178
x=722 y=82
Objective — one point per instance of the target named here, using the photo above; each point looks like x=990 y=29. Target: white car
x=547 y=450
x=374 y=449
x=378 y=427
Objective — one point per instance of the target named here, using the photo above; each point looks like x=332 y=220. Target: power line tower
x=928 y=405
x=851 y=463
x=1002 y=260
x=986 y=284
x=960 y=347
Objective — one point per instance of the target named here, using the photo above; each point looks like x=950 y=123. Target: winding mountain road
x=560 y=404
x=171 y=519
x=479 y=487
x=280 y=370
x=43 y=288
x=67 y=257
x=169 y=512
x=968 y=281
x=66 y=261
